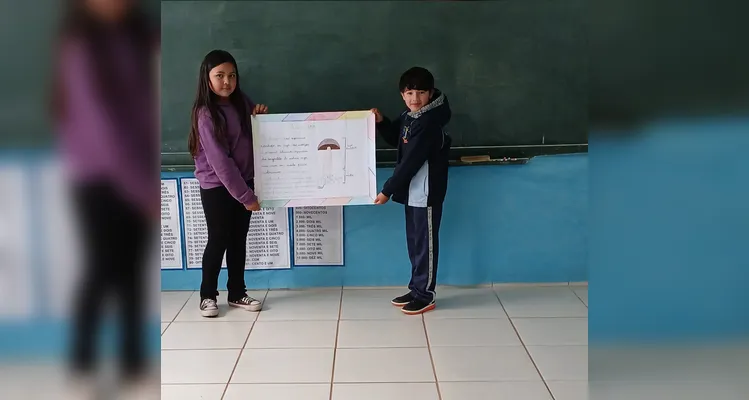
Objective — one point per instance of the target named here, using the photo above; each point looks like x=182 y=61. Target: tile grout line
x=187 y=300
x=335 y=344
x=538 y=371
x=369 y=382
x=177 y=314
x=257 y=314
x=461 y=346
x=431 y=358
x=579 y=298
x=339 y=319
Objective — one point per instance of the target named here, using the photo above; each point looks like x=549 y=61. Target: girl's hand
x=378 y=116
x=260 y=109
x=253 y=207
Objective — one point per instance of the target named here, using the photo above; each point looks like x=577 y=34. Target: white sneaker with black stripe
x=209 y=308
x=248 y=303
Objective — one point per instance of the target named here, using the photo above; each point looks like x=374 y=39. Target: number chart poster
x=268 y=240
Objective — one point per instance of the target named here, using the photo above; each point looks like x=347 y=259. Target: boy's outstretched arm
x=415 y=155
x=388 y=130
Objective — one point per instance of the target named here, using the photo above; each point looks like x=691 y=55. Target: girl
x=104 y=108
x=220 y=142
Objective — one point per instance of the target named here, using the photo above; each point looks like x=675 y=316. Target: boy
x=420 y=179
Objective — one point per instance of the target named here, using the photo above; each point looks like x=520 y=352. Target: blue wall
x=516 y=223
x=669 y=232
x=525 y=223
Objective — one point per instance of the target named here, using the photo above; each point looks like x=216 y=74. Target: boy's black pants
x=227 y=221
x=422 y=235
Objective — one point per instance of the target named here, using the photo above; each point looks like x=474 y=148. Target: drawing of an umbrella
x=325 y=151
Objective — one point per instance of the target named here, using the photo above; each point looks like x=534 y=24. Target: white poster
x=171 y=236
x=318 y=236
x=61 y=237
x=16 y=296
x=317 y=159
x=267 y=241
x=63 y=247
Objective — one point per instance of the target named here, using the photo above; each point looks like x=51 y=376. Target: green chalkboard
x=28 y=30
x=514 y=71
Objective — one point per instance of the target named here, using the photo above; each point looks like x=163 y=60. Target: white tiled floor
x=523 y=342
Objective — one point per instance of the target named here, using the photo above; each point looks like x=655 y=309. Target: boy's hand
x=253 y=207
x=260 y=109
x=381 y=199
x=378 y=116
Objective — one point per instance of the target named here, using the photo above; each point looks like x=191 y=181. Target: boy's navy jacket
x=420 y=176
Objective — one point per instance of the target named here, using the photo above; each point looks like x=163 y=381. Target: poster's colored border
x=329 y=201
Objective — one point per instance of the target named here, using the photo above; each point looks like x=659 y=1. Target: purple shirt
x=97 y=146
x=216 y=166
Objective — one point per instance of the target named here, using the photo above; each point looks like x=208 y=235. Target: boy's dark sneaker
x=401 y=301
x=417 y=306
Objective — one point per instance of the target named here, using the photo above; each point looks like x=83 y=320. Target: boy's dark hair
x=416 y=78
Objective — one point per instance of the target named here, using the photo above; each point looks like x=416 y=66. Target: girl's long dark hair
x=205 y=99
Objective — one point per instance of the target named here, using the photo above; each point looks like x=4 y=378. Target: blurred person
x=104 y=111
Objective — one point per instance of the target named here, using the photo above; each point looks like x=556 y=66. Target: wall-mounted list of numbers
x=171 y=236
x=196 y=231
x=318 y=235
x=267 y=239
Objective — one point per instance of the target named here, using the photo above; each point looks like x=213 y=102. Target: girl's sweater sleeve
x=223 y=165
